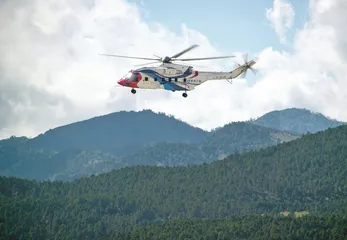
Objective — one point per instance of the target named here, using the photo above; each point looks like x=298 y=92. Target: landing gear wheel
x=133 y=91
x=184 y=95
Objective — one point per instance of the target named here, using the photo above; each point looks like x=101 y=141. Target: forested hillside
x=234 y=137
x=307 y=174
x=297 y=120
x=245 y=227
x=59 y=153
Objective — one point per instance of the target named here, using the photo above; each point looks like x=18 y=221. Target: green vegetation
x=307 y=174
x=246 y=227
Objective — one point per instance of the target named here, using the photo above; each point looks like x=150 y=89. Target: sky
x=51 y=73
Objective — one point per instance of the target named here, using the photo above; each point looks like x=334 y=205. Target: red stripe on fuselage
x=196 y=74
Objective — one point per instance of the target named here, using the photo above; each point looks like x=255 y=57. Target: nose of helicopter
x=121 y=82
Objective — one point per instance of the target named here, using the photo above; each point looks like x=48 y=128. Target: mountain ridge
x=74 y=163
x=134 y=128
x=152 y=144
x=297 y=120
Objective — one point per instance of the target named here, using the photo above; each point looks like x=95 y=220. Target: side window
x=175 y=79
x=155 y=79
x=184 y=80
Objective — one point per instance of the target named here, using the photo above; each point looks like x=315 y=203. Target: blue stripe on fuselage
x=167 y=85
x=150 y=72
x=172 y=86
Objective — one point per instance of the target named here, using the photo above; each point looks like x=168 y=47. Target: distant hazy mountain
x=91 y=146
x=16 y=159
x=119 y=133
x=25 y=162
x=242 y=136
x=297 y=120
x=234 y=137
x=122 y=139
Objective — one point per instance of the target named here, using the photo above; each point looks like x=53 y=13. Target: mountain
x=241 y=136
x=297 y=121
x=69 y=164
x=221 y=142
x=121 y=139
x=119 y=133
x=92 y=146
x=307 y=174
x=16 y=159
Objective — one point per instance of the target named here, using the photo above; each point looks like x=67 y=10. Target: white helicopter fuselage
x=175 y=77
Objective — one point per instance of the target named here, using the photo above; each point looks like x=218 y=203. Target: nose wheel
x=184 y=95
x=133 y=91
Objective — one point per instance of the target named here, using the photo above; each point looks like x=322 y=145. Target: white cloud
x=281 y=16
x=49 y=60
x=51 y=73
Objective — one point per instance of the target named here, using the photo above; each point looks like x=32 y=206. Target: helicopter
x=177 y=77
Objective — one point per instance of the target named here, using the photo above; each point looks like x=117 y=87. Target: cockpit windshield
x=131 y=76
x=128 y=75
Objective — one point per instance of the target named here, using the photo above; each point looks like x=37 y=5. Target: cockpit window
x=128 y=75
x=133 y=77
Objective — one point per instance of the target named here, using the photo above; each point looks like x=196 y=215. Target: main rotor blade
x=184 y=51
x=144 y=64
x=207 y=58
x=111 y=55
x=189 y=65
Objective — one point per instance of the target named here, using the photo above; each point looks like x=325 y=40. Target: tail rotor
x=248 y=65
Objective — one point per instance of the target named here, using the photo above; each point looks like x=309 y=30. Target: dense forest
x=244 y=227
x=306 y=174
x=236 y=227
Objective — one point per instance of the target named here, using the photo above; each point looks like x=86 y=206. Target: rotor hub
x=166 y=59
